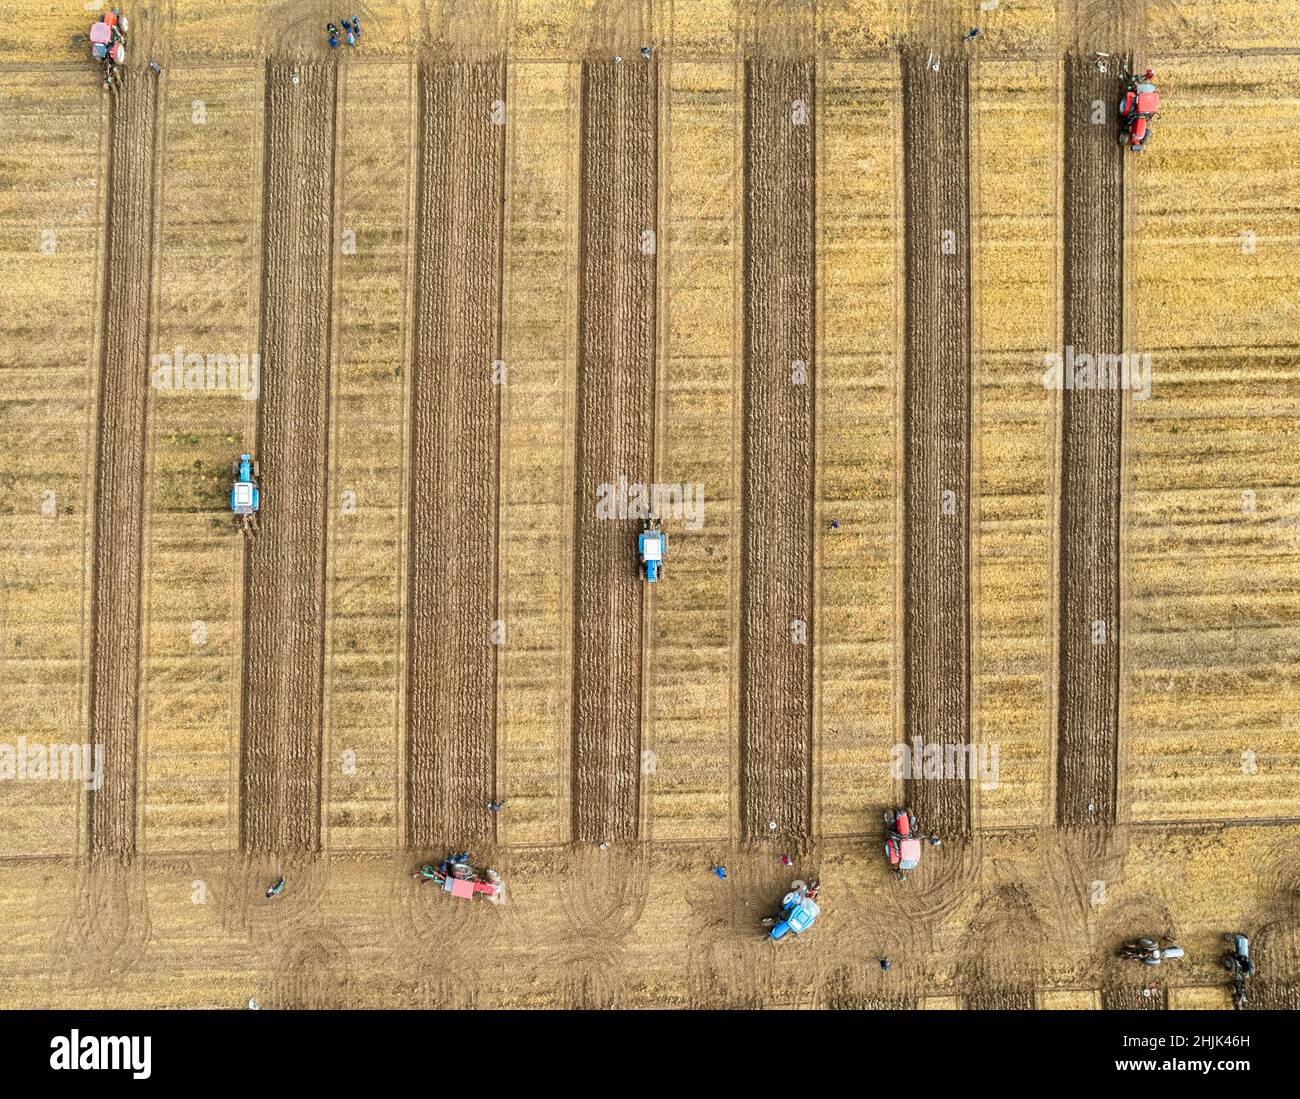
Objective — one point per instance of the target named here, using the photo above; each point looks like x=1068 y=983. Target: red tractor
x=902 y=848
x=1138 y=107
x=108 y=45
x=454 y=875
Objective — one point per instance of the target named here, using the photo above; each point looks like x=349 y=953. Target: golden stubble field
x=1209 y=771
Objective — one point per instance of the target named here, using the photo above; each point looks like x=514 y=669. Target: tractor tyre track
x=776 y=585
x=1004 y=951
x=454 y=458
x=284 y=625
x=116 y=636
x=937 y=435
x=615 y=438
x=1087 y=754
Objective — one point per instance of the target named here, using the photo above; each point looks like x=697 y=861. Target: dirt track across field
x=285 y=563
x=116 y=635
x=455 y=417
x=615 y=438
x=777 y=466
x=937 y=433
x=1087 y=750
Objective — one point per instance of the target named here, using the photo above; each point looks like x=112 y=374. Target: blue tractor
x=653 y=546
x=799 y=911
x=1239 y=963
x=245 y=496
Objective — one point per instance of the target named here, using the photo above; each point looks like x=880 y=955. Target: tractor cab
x=652 y=545
x=902 y=848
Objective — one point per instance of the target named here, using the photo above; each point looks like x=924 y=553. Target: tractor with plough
x=108 y=46
x=245 y=493
x=1139 y=106
x=799 y=911
x=454 y=875
x=902 y=848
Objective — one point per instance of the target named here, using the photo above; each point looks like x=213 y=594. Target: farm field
x=473 y=292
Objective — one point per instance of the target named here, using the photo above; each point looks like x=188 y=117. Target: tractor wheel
x=257 y=468
x=1148 y=943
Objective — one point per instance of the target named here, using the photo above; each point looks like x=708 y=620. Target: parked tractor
x=652 y=545
x=799 y=911
x=245 y=496
x=902 y=848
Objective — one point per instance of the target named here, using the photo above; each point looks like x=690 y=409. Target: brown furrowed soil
x=615 y=438
x=1000 y=998
x=455 y=418
x=285 y=563
x=937 y=434
x=1087 y=752
x=777 y=464
x=1134 y=995
x=116 y=636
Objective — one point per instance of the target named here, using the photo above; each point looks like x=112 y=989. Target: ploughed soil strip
x=1274 y=995
x=615 y=438
x=116 y=636
x=1133 y=997
x=937 y=434
x=1087 y=752
x=284 y=623
x=777 y=463
x=452 y=507
x=1016 y=997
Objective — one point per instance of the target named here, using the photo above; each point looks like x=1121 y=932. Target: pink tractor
x=902 y=848
x=454 y=875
